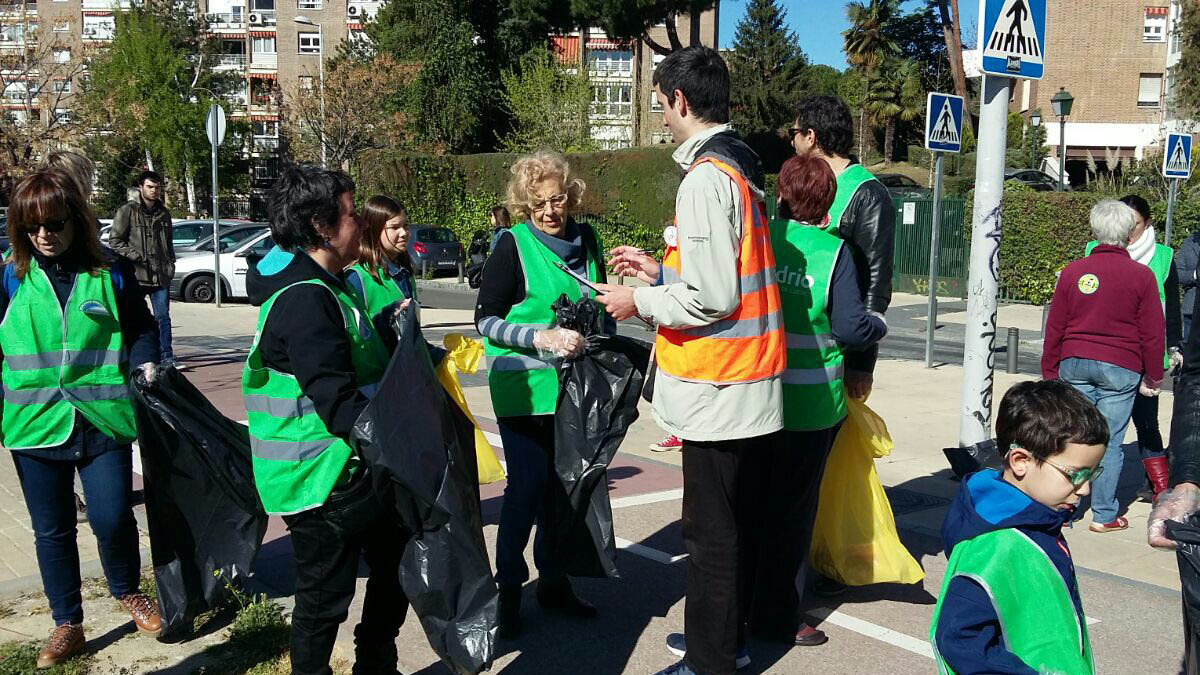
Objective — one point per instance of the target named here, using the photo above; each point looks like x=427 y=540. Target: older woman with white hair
x=1105 y=336
x=523 y=277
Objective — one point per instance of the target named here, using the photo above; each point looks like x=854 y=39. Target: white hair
x=1112 y=222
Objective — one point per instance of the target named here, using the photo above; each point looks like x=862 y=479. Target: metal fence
x=914 y=227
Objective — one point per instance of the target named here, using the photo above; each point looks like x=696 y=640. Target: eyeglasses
x=1077 y=477
x=553 y=200
x=793 y=131
x=53 y=226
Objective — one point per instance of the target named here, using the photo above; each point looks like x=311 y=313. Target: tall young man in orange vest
x=720 y=352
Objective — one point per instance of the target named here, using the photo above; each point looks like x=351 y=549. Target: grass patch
x=148 y=586
x=20 y=658
x=258 y=638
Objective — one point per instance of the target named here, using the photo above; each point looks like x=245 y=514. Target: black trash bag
x=421 y=452
x=1187 y=535
x=202 y=508
x=968 y=460
x=597 y=402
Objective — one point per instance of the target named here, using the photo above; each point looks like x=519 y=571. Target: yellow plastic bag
x=854 y=539
x=464 y=354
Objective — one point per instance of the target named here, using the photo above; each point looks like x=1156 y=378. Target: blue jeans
x=160 y=304
x=49 y=487
x=1112 y=389
x=529 y=454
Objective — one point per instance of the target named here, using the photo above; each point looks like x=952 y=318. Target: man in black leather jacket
x=862 y=214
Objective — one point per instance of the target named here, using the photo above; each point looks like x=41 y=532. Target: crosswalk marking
x=875 y=631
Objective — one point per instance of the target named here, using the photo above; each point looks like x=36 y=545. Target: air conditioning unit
x=4 y=37
x=211 y=18
x=354 y=12
x=256 y=19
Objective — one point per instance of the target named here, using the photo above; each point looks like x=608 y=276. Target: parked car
x=903 y=187
x=230 y=236
x=435 y=246
x=1038 y=180
x=185 y=233
x=193 y=281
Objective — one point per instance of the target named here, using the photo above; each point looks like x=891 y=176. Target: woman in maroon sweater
x=1105 y=337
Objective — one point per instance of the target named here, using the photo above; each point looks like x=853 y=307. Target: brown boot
x=144 y=613
x=65 y=641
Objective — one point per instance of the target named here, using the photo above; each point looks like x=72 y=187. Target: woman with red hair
x=823 y=314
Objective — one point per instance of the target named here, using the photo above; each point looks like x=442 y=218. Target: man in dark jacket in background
x=141 y=233
x=1186 y=262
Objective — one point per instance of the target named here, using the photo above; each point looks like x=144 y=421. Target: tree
x=868 y=44
x=356 y=114
x=766 y=68
x=38 y=79
x=622 y=20
x=952 y=31
x=549 y=105
x=822 y=80
x=894 y=94
x=919 y=36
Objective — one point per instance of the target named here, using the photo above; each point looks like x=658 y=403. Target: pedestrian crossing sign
x=1012 y=37
x=1177 y=157
x=943 y=122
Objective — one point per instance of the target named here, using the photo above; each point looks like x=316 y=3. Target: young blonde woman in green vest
x=313 y=367
x=520 y=282
x=75 y=326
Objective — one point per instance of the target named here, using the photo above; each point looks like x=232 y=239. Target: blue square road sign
x=943 y=122
x=1012 y=37
x=1177 y=157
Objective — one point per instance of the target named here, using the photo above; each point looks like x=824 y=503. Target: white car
x=193 y=280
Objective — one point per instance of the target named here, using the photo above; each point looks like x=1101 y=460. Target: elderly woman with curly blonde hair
x=521 y=280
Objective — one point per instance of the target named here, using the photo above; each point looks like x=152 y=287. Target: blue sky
x=818 y=25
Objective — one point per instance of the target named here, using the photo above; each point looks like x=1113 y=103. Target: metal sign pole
x=934 y=249
x=982 y=283
x=216 y=229
x=1171 y=209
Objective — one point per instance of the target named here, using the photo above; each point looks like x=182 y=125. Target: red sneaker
x=667 y=444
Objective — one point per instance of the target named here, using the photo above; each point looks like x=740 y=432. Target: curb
x=451 y=286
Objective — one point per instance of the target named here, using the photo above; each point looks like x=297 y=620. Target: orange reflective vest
x=749 y=344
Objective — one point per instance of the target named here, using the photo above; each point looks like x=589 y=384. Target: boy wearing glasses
x=1010 y=602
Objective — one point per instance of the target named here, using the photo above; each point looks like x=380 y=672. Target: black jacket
x=868 y=227
x=1186 y=263
x=143 y=236
x=305 y=336
x=1185 y=419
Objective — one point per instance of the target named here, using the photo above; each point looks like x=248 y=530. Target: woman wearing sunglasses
x=75 y=325
x=521 y=280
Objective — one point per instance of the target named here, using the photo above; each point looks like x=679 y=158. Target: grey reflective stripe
x=83 y=357
x=51 y=395
x=756 y=282
x=738 y=328
x=798 y=341
x=279 y=407
x=288 y=451
x=669 y=275
x=516 y=362
x=812 y=375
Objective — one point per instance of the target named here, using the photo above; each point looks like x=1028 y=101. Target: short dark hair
x=305 y=195
x=701 y=74
x=806 y=189
x=148 y=175
x=1138 y=204
x=829 y=118
x=1042 y=417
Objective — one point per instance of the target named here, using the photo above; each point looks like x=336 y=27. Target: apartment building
x=625 y=112
x=1112 y=56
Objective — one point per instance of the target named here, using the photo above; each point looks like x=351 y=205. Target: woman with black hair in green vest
x=823 y=316
x=521 y=280
x=315 y=363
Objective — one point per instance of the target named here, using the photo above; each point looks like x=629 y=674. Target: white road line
x=874 y=631
x=648 y=498
x=647 y=552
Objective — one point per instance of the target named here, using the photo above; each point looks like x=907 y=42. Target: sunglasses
x=52 y=226
x=793 y=131
x=1077 y=477
x=554 y=200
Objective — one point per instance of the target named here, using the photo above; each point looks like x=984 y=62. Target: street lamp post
x=1035 y=121
x=1062 y=102
x=305 y=21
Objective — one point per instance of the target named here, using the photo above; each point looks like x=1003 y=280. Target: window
x=1149 y=90
x=62 y=26
x=99 y=27
x=605 y=62
x=186 y=234
x=310 y=43
x=308 y=83
x=1154 y=29
x=435 y=235
x=262 y=246
x=266 y=129
x=62 y=86
x=263 y=45
x=62 y=55
x=612 y=99
x=310 y=4
x=262 y=5
x=63 y=116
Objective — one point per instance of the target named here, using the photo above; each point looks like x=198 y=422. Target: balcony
x=265 y=144
x=107 y=4
x=16 y=8
x=264 y=61
x=261 y=18
x=226 y=21
x=358 y=11
x=230 y=62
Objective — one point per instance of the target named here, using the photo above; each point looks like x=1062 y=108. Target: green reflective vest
x=1160 y=264
x=813 y=394
x=381 y=292
x=1037 y=615
x=847 y=184
x=296 y=460
x=521 y=382
x=57 y=363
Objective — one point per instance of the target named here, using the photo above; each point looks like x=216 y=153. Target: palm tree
x=868 y=45
x=895 y=94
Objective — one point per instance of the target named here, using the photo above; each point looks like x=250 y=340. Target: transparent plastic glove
x=1175 y=504
x=560 y=342
x=148 y=372
x=1147 y=388
x=1176 y=358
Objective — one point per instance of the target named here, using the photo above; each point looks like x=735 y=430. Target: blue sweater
x=968 y=631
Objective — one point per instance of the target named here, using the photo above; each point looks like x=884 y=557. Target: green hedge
x=630 y=193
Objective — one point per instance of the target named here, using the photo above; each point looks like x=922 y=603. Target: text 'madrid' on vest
x=1160 y=265
x=296 y=460
x=748 y=345
x=848 y=183
x=814 y=396
x=1037 y=614
x=59 y=363
x=520 y=381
